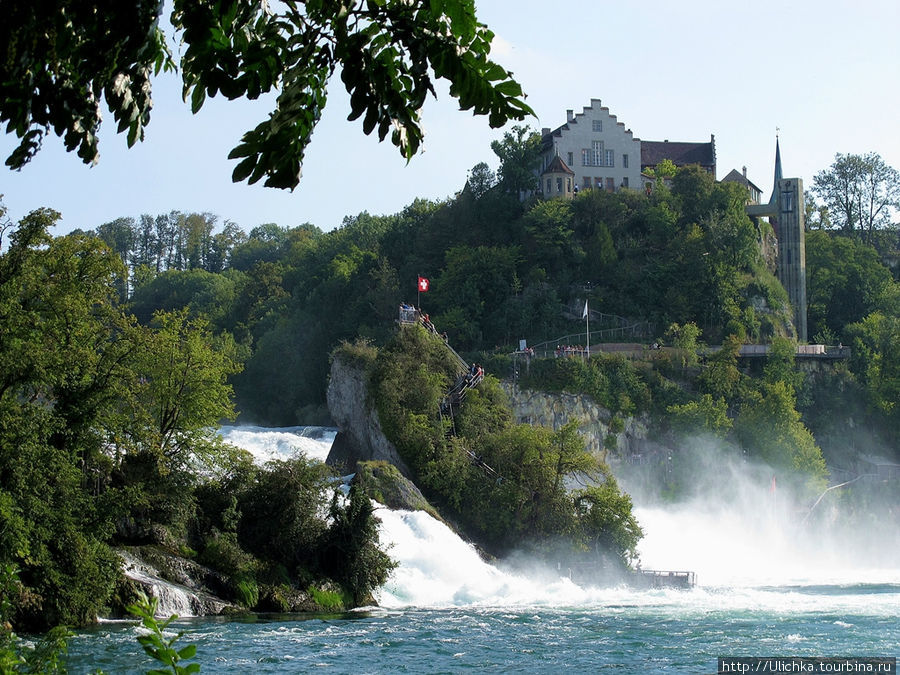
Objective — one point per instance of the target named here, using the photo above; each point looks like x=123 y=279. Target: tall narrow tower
x=786 y=212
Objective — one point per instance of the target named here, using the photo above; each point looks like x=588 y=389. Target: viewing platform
x=663 y=579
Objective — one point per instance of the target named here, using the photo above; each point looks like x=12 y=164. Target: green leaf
x=243 y=169
x=188 y=652
x=198 y=96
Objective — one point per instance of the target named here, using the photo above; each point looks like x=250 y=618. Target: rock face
x=181 y=586
x=360 y=438
x=556 y=410
x=383 y=482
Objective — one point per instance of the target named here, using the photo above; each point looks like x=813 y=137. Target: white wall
x=580 y=135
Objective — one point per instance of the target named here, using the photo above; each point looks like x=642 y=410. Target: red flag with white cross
x=423 y=285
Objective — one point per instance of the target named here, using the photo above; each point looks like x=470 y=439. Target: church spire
x=778 y=175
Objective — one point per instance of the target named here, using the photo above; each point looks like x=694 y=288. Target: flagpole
x=587 y=319
x=418 y=292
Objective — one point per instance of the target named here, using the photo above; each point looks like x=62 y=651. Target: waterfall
x=266 y=443
x=171 y=598
x=438 y=569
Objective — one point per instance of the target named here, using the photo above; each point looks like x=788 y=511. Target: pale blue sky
x=827 y=73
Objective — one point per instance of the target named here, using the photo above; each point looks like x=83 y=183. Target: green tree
x=703 y=415
x=665 y=169
x=770 y=429
x=721 y=378
x=605 y=522
x=551 y=237
x=182 y=390
x=846 y=281
x=389 y=52
x=350 y=550
x=64 y=349
x=520 y=157
x=282 y=512
x=203 y=293
x=480 y=180
x=876 y=359
x=861 y=193
x=685 y=338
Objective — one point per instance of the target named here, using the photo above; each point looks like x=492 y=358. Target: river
x=445 y=610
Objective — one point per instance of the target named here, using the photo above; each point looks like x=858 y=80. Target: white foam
x=268 y=443
x=438 y=569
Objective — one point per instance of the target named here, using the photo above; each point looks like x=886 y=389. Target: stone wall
x=556 y=410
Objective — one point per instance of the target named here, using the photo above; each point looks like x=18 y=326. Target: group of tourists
x=570 y=350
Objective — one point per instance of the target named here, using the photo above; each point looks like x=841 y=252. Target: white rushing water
x=171 y=598
x=268 y=443
x=437 y=569
x=744 y=558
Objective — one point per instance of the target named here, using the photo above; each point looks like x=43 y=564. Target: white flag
x=584 y=314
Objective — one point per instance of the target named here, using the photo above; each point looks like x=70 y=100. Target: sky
x=823 y=73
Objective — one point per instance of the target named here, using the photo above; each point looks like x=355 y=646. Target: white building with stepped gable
x=603 y=154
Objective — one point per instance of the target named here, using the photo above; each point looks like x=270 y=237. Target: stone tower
x=558 y=180
x=786 y=213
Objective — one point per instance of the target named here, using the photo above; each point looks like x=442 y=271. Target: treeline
x=107 y=438
x=501 y=270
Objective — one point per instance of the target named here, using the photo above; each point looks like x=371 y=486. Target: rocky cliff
x=555 y=410
x=360 y=437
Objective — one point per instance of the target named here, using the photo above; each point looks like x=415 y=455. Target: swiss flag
x=423 y=285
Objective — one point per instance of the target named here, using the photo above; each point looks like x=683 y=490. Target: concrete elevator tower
x=786 y=212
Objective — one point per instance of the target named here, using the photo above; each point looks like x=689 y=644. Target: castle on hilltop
x=593 y=150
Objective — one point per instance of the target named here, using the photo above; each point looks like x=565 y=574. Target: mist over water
x=741 y=523
x=742 y=538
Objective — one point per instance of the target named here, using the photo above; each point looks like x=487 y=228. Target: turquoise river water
x=759 y=593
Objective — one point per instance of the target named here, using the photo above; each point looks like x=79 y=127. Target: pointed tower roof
x=558 y=166
x=778 y=175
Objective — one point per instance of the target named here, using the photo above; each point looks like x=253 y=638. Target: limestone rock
x=360 y=437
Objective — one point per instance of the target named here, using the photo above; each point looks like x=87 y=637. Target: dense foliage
x=506 y=484
x=119 y=348
x=61 y=59
x=106 y=437
x=501 y=270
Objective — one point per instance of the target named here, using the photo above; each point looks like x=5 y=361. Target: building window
x=624 y=161
x=571 y=159
x=586 y=181
x=610 y=185
x=597 y=147
x=568 y=185
x=610 y=158
x=586 y=157
x=548 y=186
x=787 y=201
x=597 y=125
x=625 y=180
x=559 y=186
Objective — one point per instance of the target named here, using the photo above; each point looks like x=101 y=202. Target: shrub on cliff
x=504 y=483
